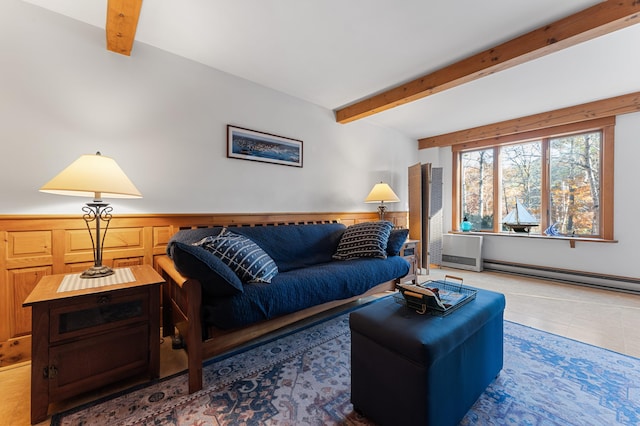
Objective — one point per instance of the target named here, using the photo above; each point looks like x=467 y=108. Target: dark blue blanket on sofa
x=298 y=289
x=307 y=274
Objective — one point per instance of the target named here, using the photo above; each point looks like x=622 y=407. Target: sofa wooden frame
x=181 y=312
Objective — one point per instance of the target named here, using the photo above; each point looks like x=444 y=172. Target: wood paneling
x=28 y=248
x=34 y=246
x=21 y=282
x=125 y=241
x=161 y=235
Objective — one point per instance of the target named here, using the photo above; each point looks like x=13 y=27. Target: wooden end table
x=410 y=252
x=86 y=339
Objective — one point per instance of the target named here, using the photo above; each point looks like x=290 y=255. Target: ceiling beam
x=598 y=109
x=603 y=18
x=122 y=21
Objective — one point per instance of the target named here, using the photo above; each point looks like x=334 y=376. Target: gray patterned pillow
x=367 y=239
x=249 y=262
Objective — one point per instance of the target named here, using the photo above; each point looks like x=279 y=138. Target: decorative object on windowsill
x=552 y=231
x=382 y=193
x=94 y=176
x=519 y=219
x=465 y=226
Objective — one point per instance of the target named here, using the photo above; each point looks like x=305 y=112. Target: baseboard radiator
x=462 y=251
x=604 y=281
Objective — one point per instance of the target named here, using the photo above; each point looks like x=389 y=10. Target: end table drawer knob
x=104 y=299
x=50 y=372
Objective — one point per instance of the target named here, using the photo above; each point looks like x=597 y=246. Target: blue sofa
x=318 y=267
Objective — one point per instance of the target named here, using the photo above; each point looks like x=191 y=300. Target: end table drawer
x=96 y=312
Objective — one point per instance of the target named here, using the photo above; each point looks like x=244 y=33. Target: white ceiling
x=335 y=52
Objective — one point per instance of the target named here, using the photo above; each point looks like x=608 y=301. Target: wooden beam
x=122 y=22
x=598 y=109
x=588 y=24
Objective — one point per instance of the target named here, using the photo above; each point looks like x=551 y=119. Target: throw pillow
x=367 y=239
x=243 y=256
x=396 y=241
x=217 y=279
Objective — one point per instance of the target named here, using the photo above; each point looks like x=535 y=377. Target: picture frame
x=247 y=144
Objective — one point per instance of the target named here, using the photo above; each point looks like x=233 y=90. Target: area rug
x=304 y=379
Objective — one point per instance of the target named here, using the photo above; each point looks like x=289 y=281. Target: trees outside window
x=559 y=177
x=477 y=188
x=574 y=164
x=521 y=167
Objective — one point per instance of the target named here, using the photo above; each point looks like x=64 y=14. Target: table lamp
x=99 y=177
x=382 y=193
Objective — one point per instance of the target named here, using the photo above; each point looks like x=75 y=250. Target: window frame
x=605 y=125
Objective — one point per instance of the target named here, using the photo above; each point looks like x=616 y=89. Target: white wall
x=621 y=258
x=163 y=119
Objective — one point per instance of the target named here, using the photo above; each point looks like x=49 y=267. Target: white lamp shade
x=92 y=176
x=380 y=193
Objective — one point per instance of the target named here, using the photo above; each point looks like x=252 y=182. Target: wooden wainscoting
x=35 y=246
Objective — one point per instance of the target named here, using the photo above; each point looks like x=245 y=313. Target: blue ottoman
x=412 y=369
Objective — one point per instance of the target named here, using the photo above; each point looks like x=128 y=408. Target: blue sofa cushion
x=216 y=278
x=396 y=241
x=301 y=288
x=368 y=239
x=296 y=246
x=243 y=256
x=191 y=261
x=190 y=236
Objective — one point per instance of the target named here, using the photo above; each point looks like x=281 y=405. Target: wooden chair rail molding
x=34 y=246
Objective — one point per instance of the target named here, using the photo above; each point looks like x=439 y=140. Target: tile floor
x=602 y=318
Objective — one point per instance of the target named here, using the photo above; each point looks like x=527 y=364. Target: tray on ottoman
x=439 y=297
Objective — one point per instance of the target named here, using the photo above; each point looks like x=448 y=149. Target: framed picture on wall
x=251 y=145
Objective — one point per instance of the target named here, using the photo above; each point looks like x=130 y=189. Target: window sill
x=572 y=240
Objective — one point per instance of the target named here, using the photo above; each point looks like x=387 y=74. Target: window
x=563 y=176
x=521 y=178
x=574 y=172
x=477 y=188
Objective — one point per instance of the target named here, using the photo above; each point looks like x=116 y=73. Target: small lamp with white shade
x=99 y=177
x=382 y=193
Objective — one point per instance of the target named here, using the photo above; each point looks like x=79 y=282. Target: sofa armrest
x=168 y=270
x=182 y=309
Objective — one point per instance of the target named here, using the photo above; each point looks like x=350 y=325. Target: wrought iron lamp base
x=97 y=272
x=382 y=209
x=97 y=211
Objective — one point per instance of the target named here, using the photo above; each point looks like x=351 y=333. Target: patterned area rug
x=303 y=378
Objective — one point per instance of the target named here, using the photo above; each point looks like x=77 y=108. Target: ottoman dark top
x=408 y=368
